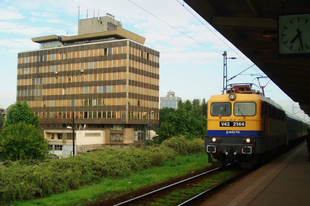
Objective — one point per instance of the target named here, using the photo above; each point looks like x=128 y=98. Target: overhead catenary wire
x=190 y=36
x=172 y=26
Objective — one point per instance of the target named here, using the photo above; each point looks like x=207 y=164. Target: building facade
x=169 y=101
x=106 y=80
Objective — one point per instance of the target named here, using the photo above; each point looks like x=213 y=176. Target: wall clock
x=294 y=34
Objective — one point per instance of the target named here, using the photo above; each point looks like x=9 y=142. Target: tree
x=187 y=121
x=165 y=114
x=21 y=112
x=22 y=141
x=1 y=121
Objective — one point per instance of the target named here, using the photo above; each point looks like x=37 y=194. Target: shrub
x=184 y=146
x=21 y=141
x=22 y=180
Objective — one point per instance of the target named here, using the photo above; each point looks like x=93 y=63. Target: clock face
x=294 y=34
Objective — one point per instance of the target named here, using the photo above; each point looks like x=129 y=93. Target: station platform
x=285 y=181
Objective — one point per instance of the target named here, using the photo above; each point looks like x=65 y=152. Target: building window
x=107 y=51
x=59 y=136
x=85 y=90
x=117 y=137
x=108 y=89
x=100 y=89
x=123 y=114
x=58 y=147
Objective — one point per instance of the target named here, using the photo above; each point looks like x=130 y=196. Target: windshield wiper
x=239 y=110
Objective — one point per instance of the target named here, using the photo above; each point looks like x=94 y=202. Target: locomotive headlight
x=247 y=140
x=213 y=139
x=232 y=96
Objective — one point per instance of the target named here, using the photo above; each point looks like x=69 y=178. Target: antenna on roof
x=86 y=13
x=79 y=13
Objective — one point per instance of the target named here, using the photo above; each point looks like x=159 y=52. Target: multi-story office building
x=104 y=78
x=170 y=100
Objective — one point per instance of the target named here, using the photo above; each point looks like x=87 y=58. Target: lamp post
x=144 y=138
x=73 y=139
x=144 y=117
x=225 y=71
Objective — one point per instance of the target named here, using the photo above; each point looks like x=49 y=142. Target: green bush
x=23 y=180
x=184 y=146
x=21 y=142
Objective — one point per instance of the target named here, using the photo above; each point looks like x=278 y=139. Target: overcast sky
x=191 y=61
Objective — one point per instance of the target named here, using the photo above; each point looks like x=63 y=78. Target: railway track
x=189 y=191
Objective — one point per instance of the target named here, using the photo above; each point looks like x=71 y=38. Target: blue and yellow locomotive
x=245 y=127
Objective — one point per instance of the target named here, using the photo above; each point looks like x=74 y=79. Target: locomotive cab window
x=221 y=109
x=245 y=109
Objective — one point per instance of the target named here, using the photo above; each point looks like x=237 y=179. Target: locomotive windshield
x=244 y=109
x=221 y=109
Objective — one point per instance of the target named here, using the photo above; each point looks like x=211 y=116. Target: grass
x=107 y=188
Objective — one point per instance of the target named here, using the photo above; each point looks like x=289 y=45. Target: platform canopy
x=257 y=28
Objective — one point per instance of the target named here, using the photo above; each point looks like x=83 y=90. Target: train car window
x=245 y=109
x=221 y=109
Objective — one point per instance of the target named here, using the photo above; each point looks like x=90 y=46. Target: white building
x=170 y=100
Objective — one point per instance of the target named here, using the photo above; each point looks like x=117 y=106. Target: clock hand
x=299 y=37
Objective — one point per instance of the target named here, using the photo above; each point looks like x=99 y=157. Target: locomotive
x=245 y=127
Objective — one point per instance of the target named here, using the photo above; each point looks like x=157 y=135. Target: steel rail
x=189 y=201
x=168 y=186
